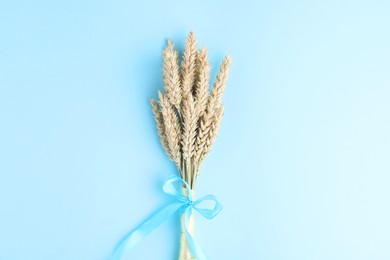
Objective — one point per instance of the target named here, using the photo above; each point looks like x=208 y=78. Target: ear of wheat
x=187 y=114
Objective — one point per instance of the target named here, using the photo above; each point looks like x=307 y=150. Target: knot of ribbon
x=183 y=204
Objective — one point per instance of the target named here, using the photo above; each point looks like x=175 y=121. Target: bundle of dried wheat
x=188 y=115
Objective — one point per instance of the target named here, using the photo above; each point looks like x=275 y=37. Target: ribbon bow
x=183 y=203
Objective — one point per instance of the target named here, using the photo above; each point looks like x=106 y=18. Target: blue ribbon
x=183 y=203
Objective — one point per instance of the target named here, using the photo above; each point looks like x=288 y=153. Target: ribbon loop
x=170 y=188
x=205 y=212
x=184 y=203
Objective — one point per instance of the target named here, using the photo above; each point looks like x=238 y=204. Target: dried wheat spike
x=214 y=103
x=189 y=127
x=171 y=75
x=201 y=138
x=203 y=78
x=172 y=128
x=188 y=72
x=212 y=134
x=215 y=99
x=160 y=127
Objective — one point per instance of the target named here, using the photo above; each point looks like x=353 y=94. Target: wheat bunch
x=187 y=115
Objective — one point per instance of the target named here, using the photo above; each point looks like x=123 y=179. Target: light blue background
x=301 y=164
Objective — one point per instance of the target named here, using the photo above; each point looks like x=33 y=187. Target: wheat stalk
x=187 y=116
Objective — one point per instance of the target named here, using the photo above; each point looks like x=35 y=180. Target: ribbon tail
x=151 y=224
x=194 y=246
